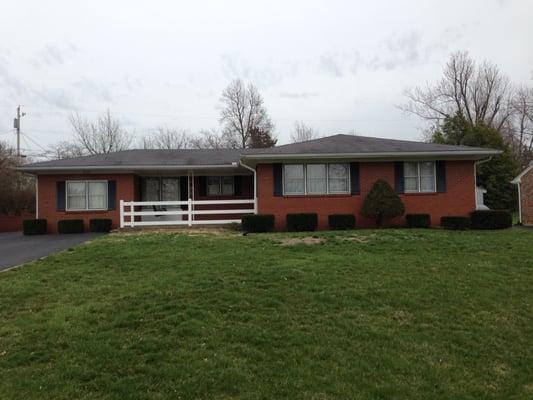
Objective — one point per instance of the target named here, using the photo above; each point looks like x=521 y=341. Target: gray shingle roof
x=347 y=144
x=332 y=145
x=182 y=157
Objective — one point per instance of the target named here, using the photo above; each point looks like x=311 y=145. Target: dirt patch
x=355 y=239
x=301 y=240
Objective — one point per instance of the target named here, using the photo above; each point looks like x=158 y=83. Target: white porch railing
x=128 y=213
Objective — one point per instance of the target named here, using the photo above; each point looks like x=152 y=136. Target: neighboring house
x=325 y=176
x=525 y=195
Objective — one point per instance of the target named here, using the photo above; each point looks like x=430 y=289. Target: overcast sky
x=336 y=65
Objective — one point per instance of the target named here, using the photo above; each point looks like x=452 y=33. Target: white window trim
x=86 y=182
x=419 y=177
x=220 y=184
x=305 y=192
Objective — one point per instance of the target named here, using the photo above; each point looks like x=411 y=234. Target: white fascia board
x=385 y=156
x=124 y=168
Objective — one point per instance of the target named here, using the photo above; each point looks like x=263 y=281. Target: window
x=86 y=195
x=419 y=176
x=316 y=179
x=293 y=179
x=338 y=178
x=220 y=186
x=160 y=189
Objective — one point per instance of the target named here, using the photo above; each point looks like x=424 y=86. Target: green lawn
x=403 y=314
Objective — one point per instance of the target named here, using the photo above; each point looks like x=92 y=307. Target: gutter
x=123 y=167
x=373 y=155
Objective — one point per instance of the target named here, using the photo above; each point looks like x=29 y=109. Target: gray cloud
x=298 y=95
x=54 y=55
x=267 y=72
x=330 y=64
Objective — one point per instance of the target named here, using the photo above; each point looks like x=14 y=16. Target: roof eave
x=124 y=168
x=470 y=154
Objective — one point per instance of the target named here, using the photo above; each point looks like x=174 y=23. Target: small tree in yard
x=382 y=203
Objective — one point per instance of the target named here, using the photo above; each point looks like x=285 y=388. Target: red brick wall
x=127 y=189
x=459 y=198
x=526 y=198
x=13 y=223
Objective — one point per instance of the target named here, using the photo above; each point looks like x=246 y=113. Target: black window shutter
x=60 y=195
x=202 y=180
x=184 y=188
x=440 y=167
x=278 y=179
x=354 y=178
x=237 y=185
x=398 y=177
x=111 y=195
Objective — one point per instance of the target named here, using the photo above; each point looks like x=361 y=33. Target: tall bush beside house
x=382 y=203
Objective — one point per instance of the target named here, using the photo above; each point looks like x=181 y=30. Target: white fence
x=161 y=215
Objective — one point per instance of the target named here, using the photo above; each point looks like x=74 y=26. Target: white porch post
x=122 y=213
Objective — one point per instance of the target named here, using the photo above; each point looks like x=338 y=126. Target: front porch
x=197 y=198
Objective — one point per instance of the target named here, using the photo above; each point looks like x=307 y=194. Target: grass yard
x=403 y=314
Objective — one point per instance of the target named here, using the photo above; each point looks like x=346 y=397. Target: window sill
x=421 y=193
x=86 y=211
x=306 y=196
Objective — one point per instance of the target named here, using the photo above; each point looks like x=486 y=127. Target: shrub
x=257 y=223
x=491 y=219
x=382 y=202
x=70 y=226
x=34 y=226
x=418 y=220
x=341 y=221
x=302 y=222
x=100 y=225
x=453 y=222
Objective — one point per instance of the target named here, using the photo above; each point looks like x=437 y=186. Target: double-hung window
x=220 y=186
x=86 y=195
x=419 y=176
x=316 y=179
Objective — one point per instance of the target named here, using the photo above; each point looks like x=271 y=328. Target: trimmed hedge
x=418 y=220
x=491 y=219
x=70 y=226
x=455 y=222
x=34 y=226
x=302 y=222
x=257 y=223
x=341 y=221
x=100 y=225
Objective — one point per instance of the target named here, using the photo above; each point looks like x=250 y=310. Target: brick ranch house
x=189 y=187
x=524 y=181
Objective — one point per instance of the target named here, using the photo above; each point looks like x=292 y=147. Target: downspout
x=36 y=196
x=519 y=205
x=255 y=183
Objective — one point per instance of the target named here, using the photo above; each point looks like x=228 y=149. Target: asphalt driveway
x=16 y=249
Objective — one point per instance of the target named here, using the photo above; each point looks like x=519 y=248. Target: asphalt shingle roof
x=359 y=144
x=337 y=144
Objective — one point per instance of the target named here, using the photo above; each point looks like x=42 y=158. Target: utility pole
x=16 y=125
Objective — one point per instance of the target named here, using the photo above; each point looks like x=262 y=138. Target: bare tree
x=18 y=190
x=209 y=139
x=243 y=109
x=168 y=138
x=65 y=149
x=105 y=135
x=481 y=93
x=518 y=130
x=303 y=132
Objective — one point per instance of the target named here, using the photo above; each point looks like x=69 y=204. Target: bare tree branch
x=303 y=132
